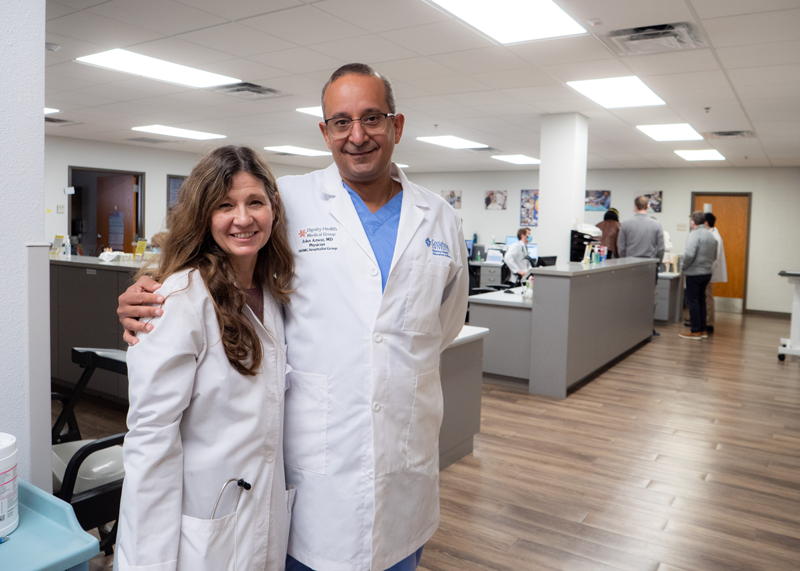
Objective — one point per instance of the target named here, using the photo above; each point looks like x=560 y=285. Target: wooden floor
x=684 y=456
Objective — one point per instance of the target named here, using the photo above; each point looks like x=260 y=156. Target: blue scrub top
x=381 y=229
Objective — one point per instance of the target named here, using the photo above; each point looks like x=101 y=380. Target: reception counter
x=582 y=316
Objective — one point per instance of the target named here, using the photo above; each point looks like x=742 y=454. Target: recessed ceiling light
x=137 y=64
x=453 y=142
x=290 y=150
x=517 y=159
x=315 y=111
x=175 y=132
x=675 y=132
x=617 y=92
x=48 y=110
x=704 y=155
x=510 y=21
x=401 y=165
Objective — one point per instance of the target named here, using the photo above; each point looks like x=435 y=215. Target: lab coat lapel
x=341 y=208
x=412 y=213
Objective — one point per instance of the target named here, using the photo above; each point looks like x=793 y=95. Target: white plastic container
x=9 y=511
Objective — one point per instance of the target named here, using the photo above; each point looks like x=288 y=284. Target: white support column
x=562 y=181
x=24 y=281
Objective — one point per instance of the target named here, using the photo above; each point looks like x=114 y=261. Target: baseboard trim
x=772 y=314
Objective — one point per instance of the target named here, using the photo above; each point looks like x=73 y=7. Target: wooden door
x=733 y=214
x=116 y=211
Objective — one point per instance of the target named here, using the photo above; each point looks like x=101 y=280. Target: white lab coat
x=365 y=404
x=516 y=258
x=194 y=423
x=719 y=269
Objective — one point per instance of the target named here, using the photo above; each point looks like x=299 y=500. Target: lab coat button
x=269 y=456
x=378 y=338
x=373 y=271
x=376 y=407
x=371 y=474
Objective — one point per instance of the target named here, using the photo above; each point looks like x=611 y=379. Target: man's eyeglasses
x=372 y=124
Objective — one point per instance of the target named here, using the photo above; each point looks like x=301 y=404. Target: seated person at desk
x=516 y=257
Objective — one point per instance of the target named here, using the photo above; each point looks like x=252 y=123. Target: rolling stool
x=88 y=474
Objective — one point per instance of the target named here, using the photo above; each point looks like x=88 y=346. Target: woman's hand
x=138 y=301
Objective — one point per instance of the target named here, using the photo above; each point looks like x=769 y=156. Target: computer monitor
x=469 y=248
x=547 y=261
x=533 y=251
x=511 y=240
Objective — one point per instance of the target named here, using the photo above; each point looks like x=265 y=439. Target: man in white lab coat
x=381 y=291
x=719 y=271
x=516 y=257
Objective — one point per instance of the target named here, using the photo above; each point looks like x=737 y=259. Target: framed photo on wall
x=655 y=198
x=495 y=199
x=529 y=208
x=453 y=197
x=174 y=183
x=598 y=200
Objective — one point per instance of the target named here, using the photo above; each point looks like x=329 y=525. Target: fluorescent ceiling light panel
x=617 y=92
x=315 y=111
x=401 y=165
x=290 y=150
x=452 y=142
x=704 y=155
x=675 y=132
x=517 y=159
x=48 y=110
x=175 y=132
x=137 y=64
x=511 y=21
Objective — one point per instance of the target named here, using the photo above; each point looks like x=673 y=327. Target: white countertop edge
x=579 y=269
x=502 y=298
x=469 y=333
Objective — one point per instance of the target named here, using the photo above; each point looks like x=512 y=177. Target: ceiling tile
x=429 y=104
x=543 y=93
x=762 y=54
x=439 y=38
x=446 y=85
x=774 y=109
x=598 y=69
x=80 y=4
x=304 y=25
x=718 y=8
x=527 y=77
x=616 y=14
x=765 y=75
x=653 y=115
x=295 y=84
x=57 y=10
x=763 y=28
x=771 y=91
x=69 y=100
x=413 y=69
x=366 y=49
x=244 y=69
x=238 y=9
x=403 y=91
x=516 y=108
x=565 y=105
x=179 y=51
x=679 y=62
x=495 y=58
x=88 y=74
x=561 y=50
x=299 y=60
x=383 y=15
x=678 y=81
x=163 y=16
x=477 y=98
x=237 y=40
x=96 y=29
x=70 y=47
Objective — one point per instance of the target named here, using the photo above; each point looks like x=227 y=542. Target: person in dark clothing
x=610 y=227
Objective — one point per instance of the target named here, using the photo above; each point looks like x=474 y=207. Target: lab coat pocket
x=426 y=419
x=207 y=544
x=305 y=440
x=425 y=291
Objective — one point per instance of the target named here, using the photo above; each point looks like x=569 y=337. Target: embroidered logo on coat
x=318 y=239
x=438 y=248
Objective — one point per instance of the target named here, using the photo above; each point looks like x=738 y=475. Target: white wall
x=774 y=225
x=62 y=153
x=24 y=352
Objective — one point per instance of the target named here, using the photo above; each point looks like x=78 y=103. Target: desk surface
x=572 y=269
x=501 y=298
x=468 y=335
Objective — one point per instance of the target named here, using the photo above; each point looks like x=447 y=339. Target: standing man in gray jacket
x=701 y=252
x=641 y=237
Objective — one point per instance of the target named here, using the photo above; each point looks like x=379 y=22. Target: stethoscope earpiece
x=242 y=486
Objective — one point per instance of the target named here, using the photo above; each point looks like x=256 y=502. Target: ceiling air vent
x=655 y=39
x=249 y=91
x=59 y=122
x=729 y=135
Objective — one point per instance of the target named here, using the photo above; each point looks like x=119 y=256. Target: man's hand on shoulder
x=136 y=302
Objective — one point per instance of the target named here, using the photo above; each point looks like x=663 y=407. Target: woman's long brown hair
x=189 y=245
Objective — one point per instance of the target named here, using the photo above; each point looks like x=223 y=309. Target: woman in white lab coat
x=207 y=383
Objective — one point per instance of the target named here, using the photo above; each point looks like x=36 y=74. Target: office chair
x=88 y=474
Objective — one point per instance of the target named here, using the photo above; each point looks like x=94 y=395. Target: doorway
x=733 y=223
x=106 y=210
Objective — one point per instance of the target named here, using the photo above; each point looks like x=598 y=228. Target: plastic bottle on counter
x=9 y=510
